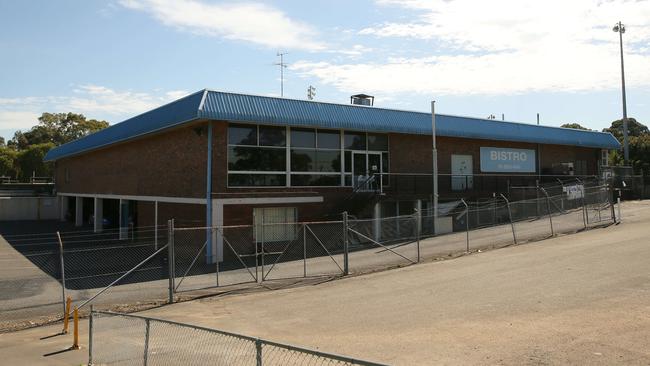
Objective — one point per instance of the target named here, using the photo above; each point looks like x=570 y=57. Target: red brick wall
x=167 y=164
x=172 y=163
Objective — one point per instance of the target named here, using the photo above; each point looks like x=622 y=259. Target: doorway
x=367 y=171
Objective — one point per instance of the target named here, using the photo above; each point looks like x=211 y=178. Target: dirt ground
x=575 y=299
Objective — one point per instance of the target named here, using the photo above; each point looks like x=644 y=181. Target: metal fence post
x=548 y=207
x=170 y=258
x=90 y=336
x=146 y=342
x=58 y=235
x=216 y=254
x=512 y=224
x=304 y=250
x=418 y=219
x=466 y=225
x=258 y=352
x=584 y=206
x=263 y=238
x=346 y=268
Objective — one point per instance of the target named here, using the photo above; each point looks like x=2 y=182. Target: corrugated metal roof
x=168 y=115
x=279 y=111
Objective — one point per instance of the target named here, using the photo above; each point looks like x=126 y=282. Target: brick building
x=290 y=160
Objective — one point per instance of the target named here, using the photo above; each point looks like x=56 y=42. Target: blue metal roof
x=207 y=104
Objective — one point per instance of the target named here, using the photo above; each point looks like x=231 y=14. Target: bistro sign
x=505 y=160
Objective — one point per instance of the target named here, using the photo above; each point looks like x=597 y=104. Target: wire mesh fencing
x=384 y=242
x=136 y=268
x=121 y=339
x=44 y=269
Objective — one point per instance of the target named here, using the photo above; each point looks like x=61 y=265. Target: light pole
x=620 y=29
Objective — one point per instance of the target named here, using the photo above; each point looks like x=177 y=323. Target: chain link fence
x=128 y=268
x=121 y=339
x=131 y=270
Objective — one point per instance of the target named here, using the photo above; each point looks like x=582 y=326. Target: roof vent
x=362 y=99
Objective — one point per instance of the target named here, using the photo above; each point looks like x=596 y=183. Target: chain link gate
x=198 y=268
x=383 y=243
x=307 y=249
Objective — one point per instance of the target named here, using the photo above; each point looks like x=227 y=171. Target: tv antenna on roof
x=282 y=67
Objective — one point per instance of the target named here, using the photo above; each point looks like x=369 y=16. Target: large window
x=256 y=156
x=315 y=151
x=274 y=156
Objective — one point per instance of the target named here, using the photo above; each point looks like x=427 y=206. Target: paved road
x=579 y=299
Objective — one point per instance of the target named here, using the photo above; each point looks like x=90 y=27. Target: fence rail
x=125 y=339
x=154 y=265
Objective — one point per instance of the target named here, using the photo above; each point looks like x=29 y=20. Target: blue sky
x=114 y=59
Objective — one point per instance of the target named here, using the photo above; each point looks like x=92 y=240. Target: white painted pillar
x=63 y=206
x=79 y=211
x=124 y=219
x=217 y=222
x=99 y=215
x=376 y=223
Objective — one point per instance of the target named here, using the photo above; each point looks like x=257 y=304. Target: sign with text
x=505 y=160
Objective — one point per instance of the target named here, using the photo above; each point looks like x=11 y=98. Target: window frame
x=288 y=147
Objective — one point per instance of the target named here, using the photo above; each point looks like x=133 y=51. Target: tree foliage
x=23 y=155
x=576 y=126
x=634 y=128
x=57 y=128
x=639 y=142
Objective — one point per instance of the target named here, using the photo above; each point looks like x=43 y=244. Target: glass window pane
x=385 y=163
x=298 y=180
x=329 y=139
x=256 y=159
x=328 y=161
x=301 y=137
x=242 y=135
x=256 y=180
x=272 y=136
x=377 y=142
x=355 y=140
x=348 y=162
x=302 y=160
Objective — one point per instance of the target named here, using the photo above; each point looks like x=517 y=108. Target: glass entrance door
x=366 y=171
x=374 y=169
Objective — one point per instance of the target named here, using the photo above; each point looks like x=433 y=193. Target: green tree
x=576 y=126
x=634 y=128
x=8 y=162
x=30 y=161
x=56 y=128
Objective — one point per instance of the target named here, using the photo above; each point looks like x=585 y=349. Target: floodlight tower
x=620 y=29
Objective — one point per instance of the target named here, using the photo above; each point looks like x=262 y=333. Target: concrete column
x=99 y=215
x=376 y=223
x=124 y=219
x=79 y=211
x=63 y=206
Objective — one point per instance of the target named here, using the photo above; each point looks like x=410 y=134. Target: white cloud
x=16 y=120
x=501 y=47
x=94 y=101
x=246 y=21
